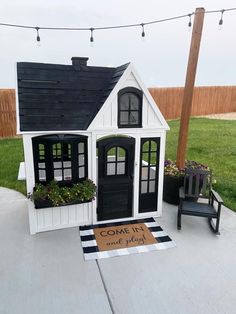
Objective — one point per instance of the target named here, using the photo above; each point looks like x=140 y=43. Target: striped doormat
x=123 y=238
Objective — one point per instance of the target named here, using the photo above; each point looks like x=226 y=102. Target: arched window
x=130 y=108
x=61 y=157
x=115 y=161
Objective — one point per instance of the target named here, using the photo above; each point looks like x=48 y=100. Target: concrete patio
x=46 y=273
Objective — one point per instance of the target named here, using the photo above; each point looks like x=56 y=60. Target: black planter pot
x=171 y=189
x=41 y=203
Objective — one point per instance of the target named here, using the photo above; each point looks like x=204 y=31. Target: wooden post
x=189 y=86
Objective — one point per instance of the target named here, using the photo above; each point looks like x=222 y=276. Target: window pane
x=81 y=172
x=66 y=164
x=42 y=175
x=111 y=154
x=153 y=158
x=56 y=150
x=145 y=157
x=58 y=174
x=134 y=102
x=153 y=146
x=41 y=165
x=144 y=187
x=124 y=117
x=57 y=164
x=121 y=168
x=121 y=154
x=111 y=169
x=134 y=117
x=152 y=174
x=124 y=102
x=41 y=147
x=146 y=146
x=67 y=174
x=81 y=160
x=81 y=148
x=144 y=173
x=41 y=152
x=151 y=186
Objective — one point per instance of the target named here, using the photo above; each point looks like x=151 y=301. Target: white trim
x=161 y=171
x=94 y=174
x=38 y=133
x=21 y=171
x=136 y=177
x=150 y=98
x=113 y=95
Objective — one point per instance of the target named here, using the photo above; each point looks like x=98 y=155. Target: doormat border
x=91 y=250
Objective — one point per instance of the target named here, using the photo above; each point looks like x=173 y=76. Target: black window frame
x=148 y=199
x=139 y=94
x=67 y=154
x=116 y=162
x=149 y=151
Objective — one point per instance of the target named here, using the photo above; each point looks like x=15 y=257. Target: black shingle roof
x=62 y=97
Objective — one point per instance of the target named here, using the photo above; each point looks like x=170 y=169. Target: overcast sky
x=160 y=61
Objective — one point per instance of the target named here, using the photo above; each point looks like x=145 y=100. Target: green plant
x=171 y=169
x=80 y=192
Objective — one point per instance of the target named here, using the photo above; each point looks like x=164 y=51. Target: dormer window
x=130 y=108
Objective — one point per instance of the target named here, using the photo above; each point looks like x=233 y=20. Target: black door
x=149 y=171
x=115 y=177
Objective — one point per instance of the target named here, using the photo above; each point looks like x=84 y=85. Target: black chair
x=197 y=188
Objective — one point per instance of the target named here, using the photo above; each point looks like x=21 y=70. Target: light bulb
x=91 y=38
x=38 y=37
x=189 y=23
x=143 y=32
x=220 y=26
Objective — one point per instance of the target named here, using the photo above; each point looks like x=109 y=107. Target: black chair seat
x=197 y=187
x=198 y=209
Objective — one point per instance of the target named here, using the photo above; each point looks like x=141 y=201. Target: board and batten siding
x=107 y=116
x=60 y=217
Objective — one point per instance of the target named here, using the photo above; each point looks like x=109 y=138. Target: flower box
x=45 y=203
x=54 y=195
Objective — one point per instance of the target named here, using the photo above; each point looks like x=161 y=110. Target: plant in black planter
x=53 y=194
x=174 y=178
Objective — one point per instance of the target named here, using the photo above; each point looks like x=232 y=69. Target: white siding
x=107 y=116
x=60 y=217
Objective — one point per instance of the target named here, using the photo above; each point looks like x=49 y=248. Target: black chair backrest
x=197 y=183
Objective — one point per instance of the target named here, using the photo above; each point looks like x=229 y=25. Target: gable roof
x=62 y=97
x=157 y=120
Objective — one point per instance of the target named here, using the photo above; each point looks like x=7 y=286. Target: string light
x=190 y=20
x=143 y=32
x=91 y=37
x=221 y=19
x=38 y=37
x=37 y=28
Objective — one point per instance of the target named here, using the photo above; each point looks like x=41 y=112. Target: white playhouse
x=83 y=122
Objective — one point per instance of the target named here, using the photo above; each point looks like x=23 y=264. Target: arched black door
x=115 y=177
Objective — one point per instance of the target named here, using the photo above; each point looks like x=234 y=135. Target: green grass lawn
x=212 y=142
x=11 y=154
